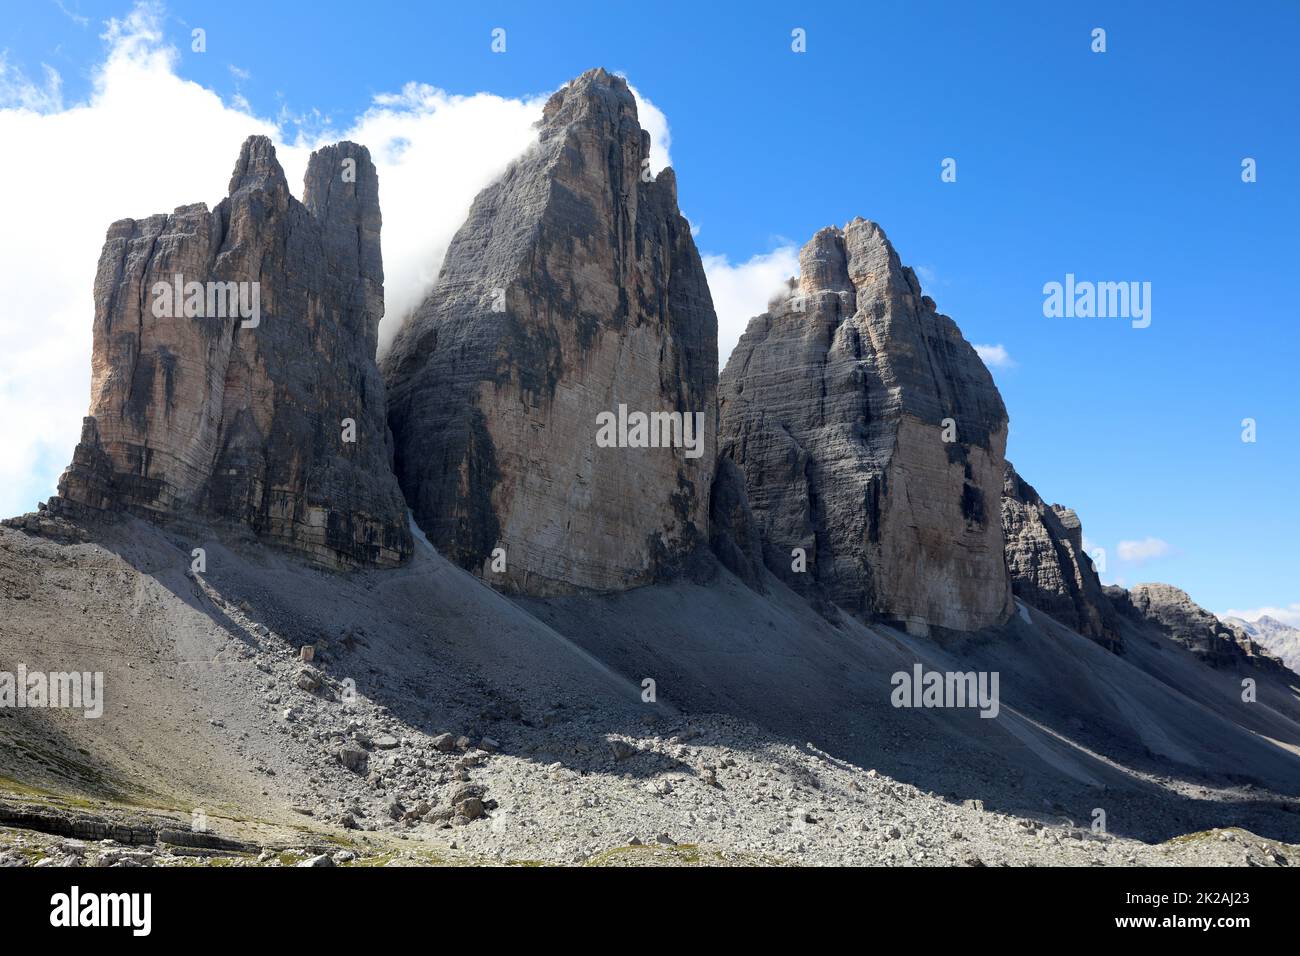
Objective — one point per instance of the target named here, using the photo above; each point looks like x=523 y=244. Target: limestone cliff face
x=1048 y=565
x=872 y=437
x=1172 y=611
x=574 y=287
x=233 y=370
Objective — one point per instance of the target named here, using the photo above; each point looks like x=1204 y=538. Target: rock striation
x=1048 y=566
x=871 y=437
x=1174 y=613
x=574 y=290
x=233 y=369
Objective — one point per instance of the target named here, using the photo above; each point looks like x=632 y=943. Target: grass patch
x=1200 y=836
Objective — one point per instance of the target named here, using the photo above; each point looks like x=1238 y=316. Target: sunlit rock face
x=233 y=367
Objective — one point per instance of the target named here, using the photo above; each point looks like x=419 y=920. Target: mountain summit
x=572 y=293
x=872 y=440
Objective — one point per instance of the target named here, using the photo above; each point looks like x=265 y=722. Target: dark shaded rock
x=242 y=413
x=1049 y=568
x=733 y=533
x=574 y=287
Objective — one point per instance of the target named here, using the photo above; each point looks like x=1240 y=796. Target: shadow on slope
x=1151 y=738
x=1079 y=728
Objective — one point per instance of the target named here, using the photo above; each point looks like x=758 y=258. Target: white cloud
x=742 y=291
x=929 y=279
x=1289 y=615
x=995 y=356
x=105 y=159
x=654 y=122
x=434 y=152
x=1140 y=552
x=72 y=15
x=20 y=93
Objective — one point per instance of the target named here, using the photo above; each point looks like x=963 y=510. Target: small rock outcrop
x=233 y=370
x=571 y=301
x=1049 y=568
x=872 y=440
x=1173 y=612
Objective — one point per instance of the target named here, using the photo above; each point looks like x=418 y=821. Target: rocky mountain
x=871 y=437
x=1172 y=611
x=559 y=429
x=233 y=369
x=1280 y=640
x=1048 y=565
x=571 y=307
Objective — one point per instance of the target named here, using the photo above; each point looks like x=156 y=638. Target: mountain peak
x=258 y=167
x=573 y=291
x=244 y=385
x=835 y=406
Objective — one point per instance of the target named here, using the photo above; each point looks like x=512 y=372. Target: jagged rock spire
x=233 y=370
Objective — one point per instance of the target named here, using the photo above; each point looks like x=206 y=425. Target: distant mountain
x=1280 y=640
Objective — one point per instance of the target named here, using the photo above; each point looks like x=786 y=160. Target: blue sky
x=1115 y=166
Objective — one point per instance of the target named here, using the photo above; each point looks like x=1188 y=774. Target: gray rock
x=465 y=791
x=834 y=405
x=353 y=757
x=1279 y=639
x=733 y=532
x=622 y=749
